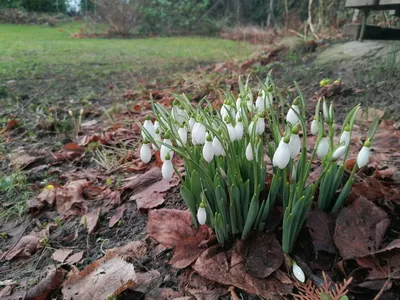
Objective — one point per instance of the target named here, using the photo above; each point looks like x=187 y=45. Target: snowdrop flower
x=199 y=132
x=157 y=138
x=165 y=150
x=167 y=168
x=363 y=156
x=231 y=130
x=145 y=152
x=157 y=126
x=208 y=149
x=263 y=101
x=249 y=152
x=325 y=110
x=250 y=105
x=192 y=121
x=294 y=144
x=282 y=154
x=323 y=147
x=291 y=116
x=298 y=272
x=339 y=152
x=226 y=110
x=202 y=214
x=217 y=145
x=239 y=103
x=260 y=125
x=314 y=127
x=345 y=136
x=148 y=126
x=182 y=132
x=239 y=129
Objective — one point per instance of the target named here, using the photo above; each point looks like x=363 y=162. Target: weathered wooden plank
x=373 y=4
x=371 y=32
x=361 y=3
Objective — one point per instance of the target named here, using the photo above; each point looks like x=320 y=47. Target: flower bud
x=218 y=148
x=323 y=147
x=298 y=273
x=363 y=156
x=291 y=116
x=314 y=127
x=208 y=149
x=249 y=152
x=282 y=154
x=167 y=169
x=339 y=152
x=202 y=214
x=145 y=152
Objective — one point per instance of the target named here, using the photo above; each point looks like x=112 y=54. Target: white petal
x=182 y=132
x=282 y=155
x=325 y=110
x=167 y=169
x=208 y=151
x=157 y=138
x=250 y=129
x=339 y=152
x=217 y=145
x=291 y=116
x=192 y=121
x=239 y=131
x=314 y=127
x=249 y=152
x=202 y=216
x=231 y=132
x=165 y=150
x=157 y=126
x=294 y=145
x=149 y=127
x=250 y=105
x=345 y=138
x=323 y=147
x=260 y=127
x=298 y=273
x=200 y=134
x=363 y=157
x=145 y=153
x=238 y=103
x=260 y=104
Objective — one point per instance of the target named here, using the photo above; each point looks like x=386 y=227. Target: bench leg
x=365 y=14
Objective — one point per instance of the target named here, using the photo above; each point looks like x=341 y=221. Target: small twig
x=382 y=289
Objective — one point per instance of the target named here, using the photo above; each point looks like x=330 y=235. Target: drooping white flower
x=149 y=127
x=157 y=138
x=226 y=111
x=182 y=132
x=208 y=149
x=145 y=152
x=263 y=101
x=239 y=130
x=363 y=156
x=325 y=110
x=157 y=126
x=202 y=214
x=291 y=116
x=282 y=154
x=250 y=129
x=217 y=145
x=249 y=152
x=238 y=103
x=298 y=273
x=250 y=105
x=294 y=144
x=345 y=137
x=165 y=150
x=238 y=115
x=260 y=126
x=323 y=147
x=199 y=133
x=192 y=121
x=314 y=127
x=339 y=152
x=231 y=131
x=167 y=169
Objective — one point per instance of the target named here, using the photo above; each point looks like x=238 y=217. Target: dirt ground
x=57 y=157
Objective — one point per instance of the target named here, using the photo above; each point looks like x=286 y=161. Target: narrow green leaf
x=251 y=216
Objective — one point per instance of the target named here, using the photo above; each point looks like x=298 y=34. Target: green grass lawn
x=33 y=55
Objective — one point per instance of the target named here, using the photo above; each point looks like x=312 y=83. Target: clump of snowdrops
x=225 y=152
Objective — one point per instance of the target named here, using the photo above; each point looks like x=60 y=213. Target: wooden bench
x=367 y=5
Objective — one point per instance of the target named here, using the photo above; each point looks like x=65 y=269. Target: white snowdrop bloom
x=282 y=154
x=149 y=127
x=294 y=145
x=226 y=111
x=202 y=214
x=199 y=133
x=260 y=126
x=314 y=127
x=217 y=145
x=208 y=149
x=238 y=115
x=165 y=150
x=157 y=126
x=182 y=132
x=192 y=121
x=250 y=129
x=323 y=147
x=293 y=175
x=291 y=116
x=345 y=137
x=250 y=105
x=145 y=152
x=157 y=138
x=238 y=103
x=363 y=156
x=239 y=130
x=298 y=273
x=260 y=104
x=339 y=152
x=167 y=169
x=249 y=152
x=231 y=131
x=325 y=110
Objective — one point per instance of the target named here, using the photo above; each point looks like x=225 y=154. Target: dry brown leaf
x=119 y=212
x=321 y=227
x=91 y=220
x=46 y=198
x=147 y=281
x=133 y=250
x=199 y=287
x=108 y=276
x=228 y=269
x=69 y=199
x=61 y=255
x=25 y=247
x=362 y=225
x=173 y=228
x=151 y=176
x=75 y=258
x=19 y=159
x=162 y=294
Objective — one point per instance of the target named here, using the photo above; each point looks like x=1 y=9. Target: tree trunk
x=309 y=20
x=320 y=15
x=286 y=16
x=271 y=16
